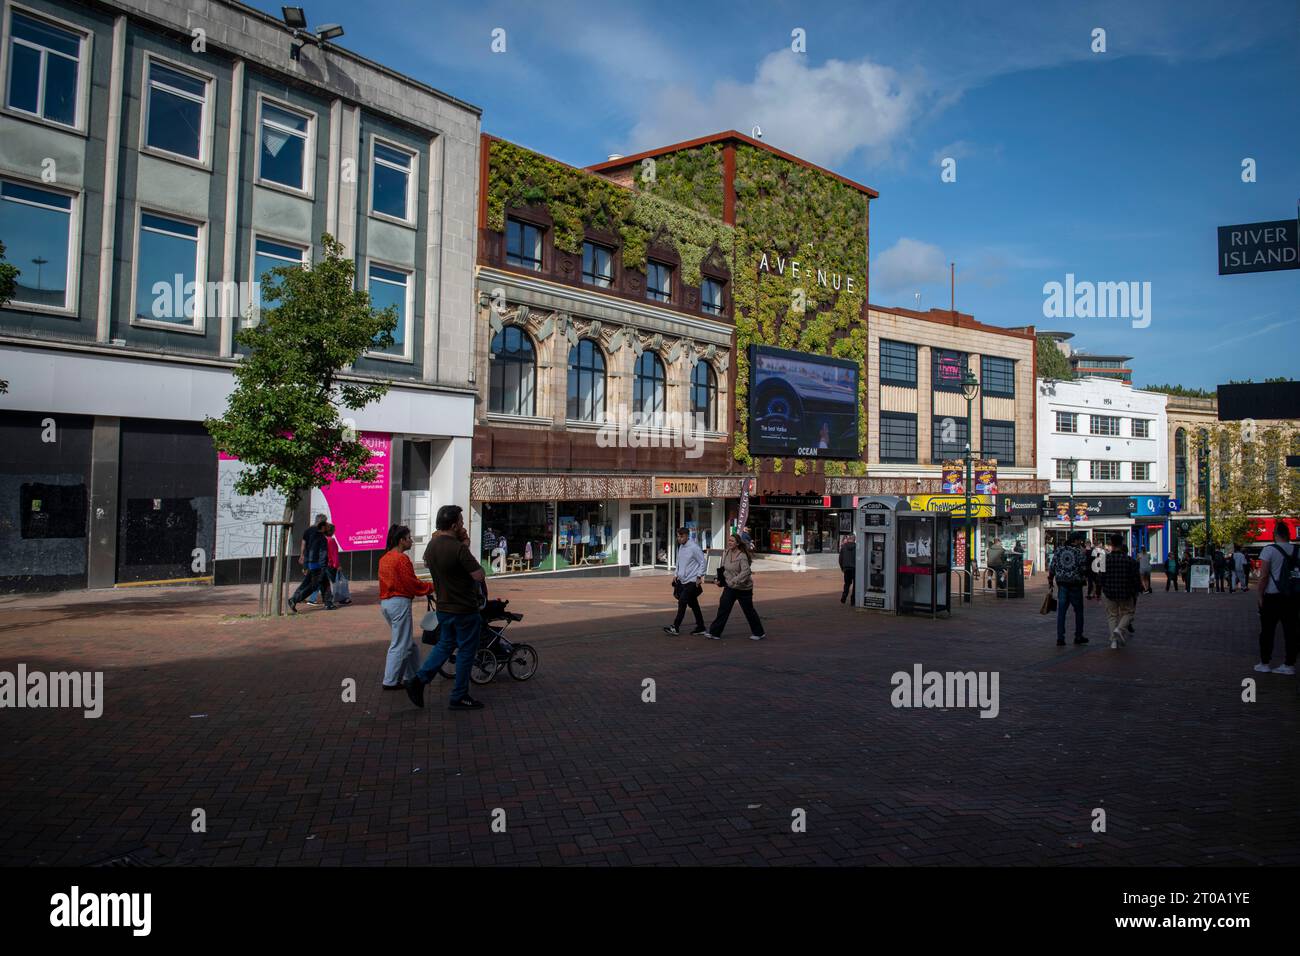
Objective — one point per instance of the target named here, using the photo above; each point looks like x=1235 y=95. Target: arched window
x=512 y=386
x=649 y=394
x=704 y=397
x=1180 y=467
x=586 y=402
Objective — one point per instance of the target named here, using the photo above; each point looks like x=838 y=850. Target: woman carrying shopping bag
x=737 y=583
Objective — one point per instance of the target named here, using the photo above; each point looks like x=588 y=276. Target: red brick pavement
x=244 y=718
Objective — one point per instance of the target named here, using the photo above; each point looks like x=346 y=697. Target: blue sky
x=1114 y=166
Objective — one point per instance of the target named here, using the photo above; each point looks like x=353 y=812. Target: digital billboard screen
x=802 y=405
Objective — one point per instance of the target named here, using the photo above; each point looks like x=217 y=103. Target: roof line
x=730 y=134
x=957 y=319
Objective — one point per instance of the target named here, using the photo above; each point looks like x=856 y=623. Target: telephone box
x=876 y=529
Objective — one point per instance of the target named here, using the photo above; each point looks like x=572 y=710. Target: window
x=597 y=265
x=523 y=245
x=513 y=376
x=1104 y=425
x=391 y=171
x=1141 y=471
x=897 y=363
x=36 y=226
x=267 y=255
x=897 y=437
x=1180 y=467
x=518 y=537
x=1063 y=468
x=391 y=287
x=998 y=376
x=44 y=69
x=285 y=138
x=168 y=271
x=947 y=438
x=949 y=367
x=659 y=281
x=704 y=397
x=711 y=296
x=175 y=111
x=1141 y=428
x=998 y=440
x=648 y=390
x=586 y=391
x=1105 y=471
x=1067 y=422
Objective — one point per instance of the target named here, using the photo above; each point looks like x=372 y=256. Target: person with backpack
x=1068 y=570
x=848 y=566
x=1121 y=583
x=737 y=583
x=1279 y=600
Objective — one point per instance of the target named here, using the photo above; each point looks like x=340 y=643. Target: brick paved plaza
x=243 y=718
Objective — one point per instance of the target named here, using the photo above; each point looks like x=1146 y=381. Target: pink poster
x=359 y=509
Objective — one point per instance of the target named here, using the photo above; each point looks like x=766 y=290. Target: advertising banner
x=986 y=476
x=359 y=509
x=240 y=517
x=802 y=404
x=954 y=482
x=742 y=518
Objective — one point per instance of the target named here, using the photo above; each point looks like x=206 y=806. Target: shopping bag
x=429 y=626
x=1049 y=603
x=342 y=590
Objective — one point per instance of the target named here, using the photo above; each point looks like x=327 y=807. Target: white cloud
x=822 y=113
x=906 y=266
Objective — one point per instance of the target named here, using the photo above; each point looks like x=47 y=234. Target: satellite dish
x=758 y=132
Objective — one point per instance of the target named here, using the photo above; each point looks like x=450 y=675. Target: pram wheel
x=523 y=662
x=483 y=671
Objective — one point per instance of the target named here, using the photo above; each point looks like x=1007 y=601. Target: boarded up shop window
x=53 y=511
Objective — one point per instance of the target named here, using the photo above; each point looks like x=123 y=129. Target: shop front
x=803 y=524
x=677 y=503
x=1018 y=527
x=1096 y=518
x=555 y=535
x=983 y=514
x=1151 y=515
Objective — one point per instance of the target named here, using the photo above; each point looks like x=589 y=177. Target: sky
x=1114 y=166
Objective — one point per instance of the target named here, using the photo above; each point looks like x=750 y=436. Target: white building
x=1117 y=439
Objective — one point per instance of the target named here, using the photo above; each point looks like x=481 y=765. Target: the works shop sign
x=1259 y=247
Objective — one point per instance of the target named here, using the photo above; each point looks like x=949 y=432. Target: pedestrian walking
x=1240 y=567
x=313 y=555
x=1144 y=570
x=1220 y=565
x=333 y=570
x=1185 y=570
x=687 y=586
x=1096 y=568
x=398 y=587
x=1068 y=572
x=849 y=566
x=459 y=582
x=1171 y=570
x=1120 y=586
x=736 y=579
x=1279 y=600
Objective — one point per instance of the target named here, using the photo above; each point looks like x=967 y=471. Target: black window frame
x=905 y=418
x=890 y=363
x=500 y=362
x=989 y=448
x=709 y=389
x=591 y=278
x=705 y=305
x=652 y=292
x=938 y=457
x=595 y=371
x=1000 y=383
x=520 y=261
x=658 y=380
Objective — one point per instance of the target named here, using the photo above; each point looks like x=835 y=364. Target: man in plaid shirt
x=1121 y=583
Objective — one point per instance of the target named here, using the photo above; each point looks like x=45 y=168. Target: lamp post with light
x=970 y=388
x=1071 y=467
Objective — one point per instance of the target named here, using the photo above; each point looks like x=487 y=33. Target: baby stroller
x=494 y=651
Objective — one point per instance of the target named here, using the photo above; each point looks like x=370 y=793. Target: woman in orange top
x=398 y=586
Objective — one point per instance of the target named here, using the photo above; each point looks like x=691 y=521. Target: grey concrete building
x=156 y=158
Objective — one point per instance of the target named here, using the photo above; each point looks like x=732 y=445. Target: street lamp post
x=1071 y=466
x=970 y=388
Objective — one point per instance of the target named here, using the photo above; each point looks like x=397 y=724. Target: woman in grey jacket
x=737 y=584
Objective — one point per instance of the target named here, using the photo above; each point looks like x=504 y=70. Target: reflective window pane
x=167 y=270
x=388 y=288
x=390 y=191
x=175 y=120
x=24 y=77
x=283 y=157
x=36 y=227
x=46 y=35
x=270 y=255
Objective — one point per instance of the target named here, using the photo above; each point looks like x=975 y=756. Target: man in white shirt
x=1279 y=600
x=1239 y=565
x=687 y=586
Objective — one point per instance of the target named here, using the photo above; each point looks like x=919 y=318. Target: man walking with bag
x=686 y=583
x=314 y=556
x=457 y=583
x=1121 y=583
x=1067 y=572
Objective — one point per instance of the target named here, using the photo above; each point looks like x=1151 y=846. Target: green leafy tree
x=8 y=282
x=1181 y=391
x=282 y=420
x=1052 y=363
x=1249 y=478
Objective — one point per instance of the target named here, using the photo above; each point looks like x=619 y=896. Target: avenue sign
x=1259 y=247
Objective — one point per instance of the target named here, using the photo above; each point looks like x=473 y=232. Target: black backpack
x=1288 y=576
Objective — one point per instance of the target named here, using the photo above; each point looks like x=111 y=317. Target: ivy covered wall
x=518 y=177
x=787 y=210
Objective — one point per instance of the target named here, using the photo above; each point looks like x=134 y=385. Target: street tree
x=1052 y=363
x=1249 y=478
x=283 y=419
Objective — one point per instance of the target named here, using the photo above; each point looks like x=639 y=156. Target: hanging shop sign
x=1258 y=247
x=1026 y=506
x=681 y=487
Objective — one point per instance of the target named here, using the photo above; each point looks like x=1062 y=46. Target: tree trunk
x=281 y=546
